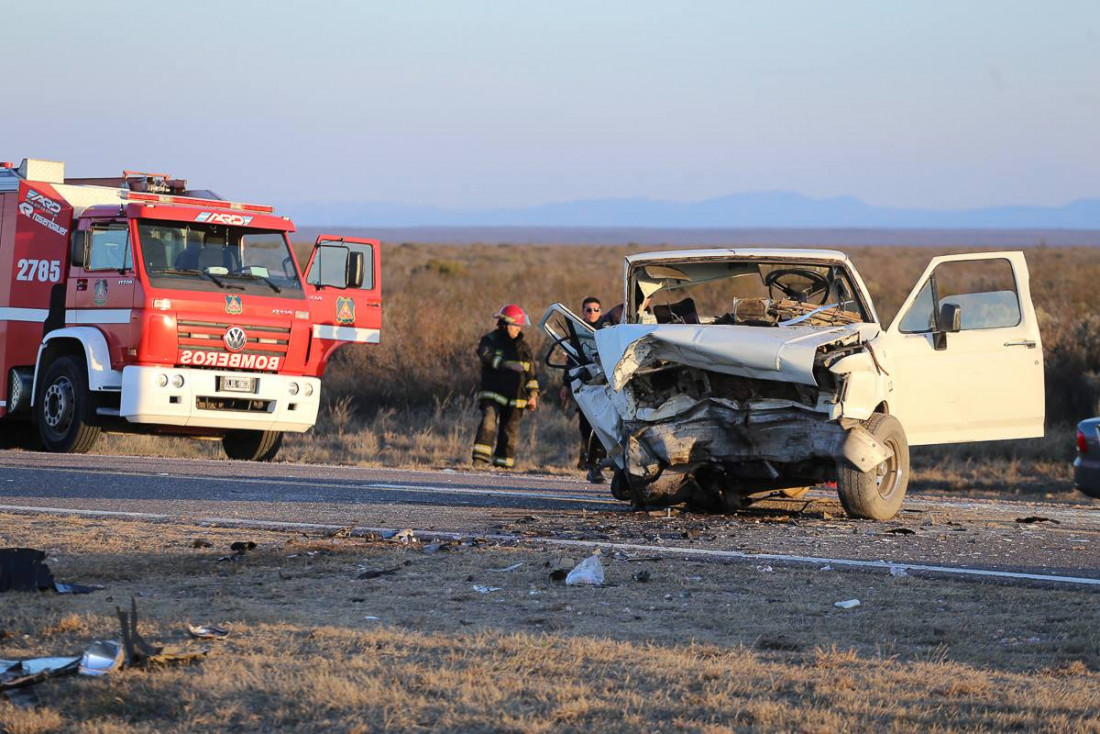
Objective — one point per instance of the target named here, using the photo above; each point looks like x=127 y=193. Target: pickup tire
x=252 y=445
x=63 y=408
x=877 y=494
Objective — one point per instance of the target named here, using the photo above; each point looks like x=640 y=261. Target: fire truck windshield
x=215 y=257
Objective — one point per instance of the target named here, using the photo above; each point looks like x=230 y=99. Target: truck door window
x=109 y=248
x=331 y=261
x=985 y=290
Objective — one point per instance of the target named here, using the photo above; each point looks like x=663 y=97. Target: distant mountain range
x=765 y=209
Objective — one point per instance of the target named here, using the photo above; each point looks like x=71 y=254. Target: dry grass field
x=698 y=647
x=407 y=402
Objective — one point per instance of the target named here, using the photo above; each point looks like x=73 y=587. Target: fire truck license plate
x=237 y=384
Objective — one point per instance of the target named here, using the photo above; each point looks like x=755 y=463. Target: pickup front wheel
x=877 y=494
x=252 y=445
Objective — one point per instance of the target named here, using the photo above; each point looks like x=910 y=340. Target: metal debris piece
x=847 y=604
x=139 y=652
x=208 y=632
x=487 y=589
x=76 y=588
x=102 y=657
x=765 y=569
x=641 y=576
x=898 y=571
x=22 y=674
x=1036 y=518
x=506 y=569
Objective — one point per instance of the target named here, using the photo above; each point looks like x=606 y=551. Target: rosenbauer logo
x=235 y=220
x=225 y=359
x=43 y=202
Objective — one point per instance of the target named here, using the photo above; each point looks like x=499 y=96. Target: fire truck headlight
x=177 y=380
x=293 y=388
x=308 y=389
x=162 y=380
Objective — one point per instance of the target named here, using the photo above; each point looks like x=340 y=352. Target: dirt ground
x=478 y=637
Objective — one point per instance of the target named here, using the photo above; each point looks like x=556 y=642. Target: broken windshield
x=215 y=257
x=732 y=292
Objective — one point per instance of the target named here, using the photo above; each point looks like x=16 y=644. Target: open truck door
x=583 y=374
x=344 y=286
x=965 y=356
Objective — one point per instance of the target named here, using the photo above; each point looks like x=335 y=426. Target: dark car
x=1086 y=469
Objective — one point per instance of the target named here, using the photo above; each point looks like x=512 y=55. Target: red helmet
x=513 y=315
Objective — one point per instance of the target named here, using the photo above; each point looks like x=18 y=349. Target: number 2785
x=42 y=270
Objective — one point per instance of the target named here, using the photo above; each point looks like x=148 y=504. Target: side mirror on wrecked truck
x=736 y=373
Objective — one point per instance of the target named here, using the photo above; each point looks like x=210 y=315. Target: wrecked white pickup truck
x=736 y=373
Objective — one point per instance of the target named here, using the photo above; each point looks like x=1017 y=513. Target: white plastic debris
x=487 y=589
x=403 y=536
x=825 y=568
x=765 y=569
x=588 y=572
x=898 y=571
x=847 y=604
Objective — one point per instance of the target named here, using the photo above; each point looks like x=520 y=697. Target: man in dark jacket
x=591 y=450
x=508 y=387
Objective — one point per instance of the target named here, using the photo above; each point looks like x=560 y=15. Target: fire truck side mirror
x=79 y=247
x=354 y=277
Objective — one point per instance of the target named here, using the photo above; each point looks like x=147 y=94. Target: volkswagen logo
x=235 y=339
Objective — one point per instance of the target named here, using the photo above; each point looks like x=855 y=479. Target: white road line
x=653 y=549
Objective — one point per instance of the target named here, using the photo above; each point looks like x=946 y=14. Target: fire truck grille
x=239 y=405
x=261 y=340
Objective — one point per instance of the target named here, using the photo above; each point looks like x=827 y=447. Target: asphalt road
x=983 y=534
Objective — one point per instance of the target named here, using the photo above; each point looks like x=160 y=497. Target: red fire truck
x=133 y=304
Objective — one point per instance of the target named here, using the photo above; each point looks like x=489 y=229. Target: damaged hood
x=783 y=353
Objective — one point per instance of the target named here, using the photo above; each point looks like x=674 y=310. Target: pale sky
x=474 y=103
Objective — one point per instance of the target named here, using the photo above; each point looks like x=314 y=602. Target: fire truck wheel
x=64 y=408
x=252 y=445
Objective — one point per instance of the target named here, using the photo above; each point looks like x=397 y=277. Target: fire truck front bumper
x=199 y=398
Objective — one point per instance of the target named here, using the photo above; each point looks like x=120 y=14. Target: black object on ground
x=24 y=569
x=375 y=573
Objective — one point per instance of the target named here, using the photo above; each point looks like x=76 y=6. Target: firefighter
x=508 y=387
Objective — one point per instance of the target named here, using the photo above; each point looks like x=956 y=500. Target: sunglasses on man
x=591 y=309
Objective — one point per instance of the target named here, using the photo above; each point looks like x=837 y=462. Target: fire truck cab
x=134 y=304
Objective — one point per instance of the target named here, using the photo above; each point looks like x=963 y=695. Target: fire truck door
x=344 y=286
x=101 y=284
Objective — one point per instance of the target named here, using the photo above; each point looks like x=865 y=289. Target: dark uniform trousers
x=503 y=396
x=496 y=435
